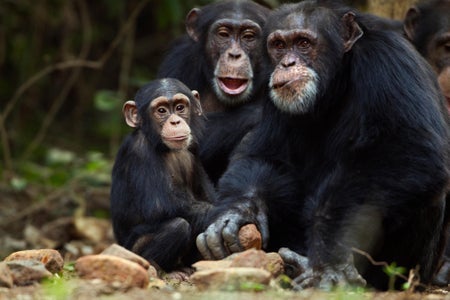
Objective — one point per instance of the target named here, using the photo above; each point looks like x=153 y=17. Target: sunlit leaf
x=18 y=184
x=105 y=100
x=59 y=156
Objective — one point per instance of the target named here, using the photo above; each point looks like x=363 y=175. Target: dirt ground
x=68 y=220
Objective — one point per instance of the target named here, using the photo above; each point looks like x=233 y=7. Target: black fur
x=366 y=168
x=190 y=62
x=151 y=214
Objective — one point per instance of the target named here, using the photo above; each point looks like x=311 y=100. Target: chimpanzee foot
x=325 y=277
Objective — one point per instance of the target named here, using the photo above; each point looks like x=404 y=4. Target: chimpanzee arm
x=255 y=179
x=225 y=130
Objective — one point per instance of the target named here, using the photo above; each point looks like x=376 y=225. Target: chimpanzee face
x=232 y=44
x=304 y=48
x=164 y=110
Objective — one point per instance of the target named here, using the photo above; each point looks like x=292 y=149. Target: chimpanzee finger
x=263 y=228
x=203 y=247
x=296 y=264
x=304 y=281
x=230 y=235
x=214 y=239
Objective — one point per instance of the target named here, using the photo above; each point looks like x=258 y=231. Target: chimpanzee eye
x=278 y=44
x=162 y=110
x=249 y=35
x=223 y=32
x=179 y=107
x=303 y=43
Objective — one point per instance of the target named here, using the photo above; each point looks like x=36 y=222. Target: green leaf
x=19 y=184
x=57 y=156
x=106 y=100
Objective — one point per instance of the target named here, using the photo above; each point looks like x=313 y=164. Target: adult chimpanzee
x=160 y=194
x=221 y=57
x=427 y=25
x=352 y=153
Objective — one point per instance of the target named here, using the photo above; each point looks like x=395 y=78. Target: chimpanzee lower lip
x=282 y=84
x=176 y=138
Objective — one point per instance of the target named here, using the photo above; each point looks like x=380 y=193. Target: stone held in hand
x=250 y=237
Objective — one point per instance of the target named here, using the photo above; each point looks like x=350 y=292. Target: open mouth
x=232 y=86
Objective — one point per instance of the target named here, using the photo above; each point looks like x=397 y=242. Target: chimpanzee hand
x=222 y=237
x=325 y=278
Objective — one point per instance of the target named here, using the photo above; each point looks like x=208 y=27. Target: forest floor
x=74 y=220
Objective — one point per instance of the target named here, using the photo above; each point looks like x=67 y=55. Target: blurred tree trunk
x=390 y=9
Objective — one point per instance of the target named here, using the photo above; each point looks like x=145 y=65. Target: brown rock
x=51 y=258
x=250 y=237
x=230 y=278
x=212 y=264
x=253 y=258
x=113 y=270
x=6 y=277
x=250 y=258
x=119 y=251
x=25 y=272
x=275 y=264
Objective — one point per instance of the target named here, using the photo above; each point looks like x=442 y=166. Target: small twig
x=385 y=264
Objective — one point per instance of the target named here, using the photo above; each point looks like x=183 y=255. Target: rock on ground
x=113 y=270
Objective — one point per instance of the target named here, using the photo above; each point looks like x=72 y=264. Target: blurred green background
x=67 y=66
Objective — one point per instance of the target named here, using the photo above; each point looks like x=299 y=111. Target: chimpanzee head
x=306 y=44
x=166 y=111
x=231 y=32
x=427 y=26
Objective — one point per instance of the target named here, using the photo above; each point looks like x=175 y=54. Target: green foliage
x=106 y=100
x=284 y=281
x=393 y=271
x=252 y=286
x=57 y=288
x=62 y=167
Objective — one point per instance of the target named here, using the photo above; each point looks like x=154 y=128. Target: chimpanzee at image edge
x=353 y=153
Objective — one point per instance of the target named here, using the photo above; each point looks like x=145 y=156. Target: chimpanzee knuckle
x=230 y=235
x=214 y=241
x=203 y=247
x=293 y=258
x=305 y=281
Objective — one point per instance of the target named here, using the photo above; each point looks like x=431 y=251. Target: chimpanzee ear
x=191 y=22
x=197 y=105
x=410 y=23
x=130 y=112
x=354 y=32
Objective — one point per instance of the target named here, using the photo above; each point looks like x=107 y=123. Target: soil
x=65 y=219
